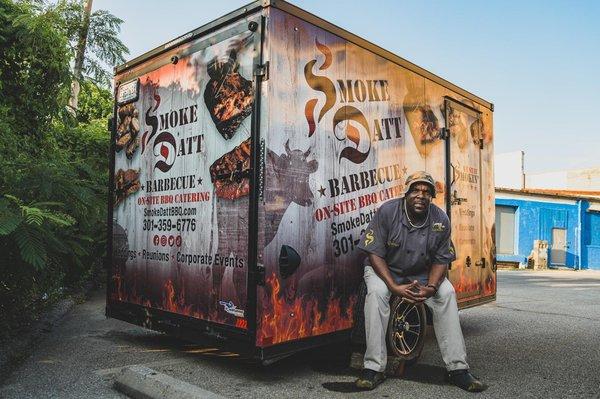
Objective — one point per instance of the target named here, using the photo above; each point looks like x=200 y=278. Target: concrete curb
x=140 y=382
x=21 y=346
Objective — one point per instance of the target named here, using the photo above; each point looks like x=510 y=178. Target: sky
x=537 y=61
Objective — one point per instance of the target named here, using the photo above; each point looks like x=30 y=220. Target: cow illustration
x=286 y=180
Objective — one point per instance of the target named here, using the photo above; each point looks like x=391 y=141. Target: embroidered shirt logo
x=438 y=227
x=369 y=238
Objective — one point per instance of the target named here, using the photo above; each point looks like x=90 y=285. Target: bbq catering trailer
x=249 y=155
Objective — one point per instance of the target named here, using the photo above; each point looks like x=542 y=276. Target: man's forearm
x=381 y=268
x=437 y=272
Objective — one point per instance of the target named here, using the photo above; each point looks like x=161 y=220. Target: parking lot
x=539 y=339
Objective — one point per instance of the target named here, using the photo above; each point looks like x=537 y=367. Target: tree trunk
x=79 y=57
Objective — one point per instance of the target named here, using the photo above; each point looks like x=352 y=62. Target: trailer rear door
x=181 y=188
x=463 y=127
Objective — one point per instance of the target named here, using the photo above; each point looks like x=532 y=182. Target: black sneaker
x=369 y=379
x=465 y=380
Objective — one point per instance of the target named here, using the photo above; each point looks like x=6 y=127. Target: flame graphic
x=319 y=83
x=465 y=282
x=157 y=99
x=282 y=321
x=309 y=111
x=489 y=285
x=164 y=151
x=151 y=120
x=173 y=300
x=326 y=52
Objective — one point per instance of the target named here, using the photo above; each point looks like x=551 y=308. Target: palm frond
x=31 y=245
x=10 y=217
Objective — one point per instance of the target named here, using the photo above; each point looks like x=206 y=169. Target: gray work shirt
x=408 y=251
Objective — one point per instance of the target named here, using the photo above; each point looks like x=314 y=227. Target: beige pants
x=445 y=322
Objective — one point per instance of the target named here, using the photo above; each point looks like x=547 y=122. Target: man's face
x=418 y=198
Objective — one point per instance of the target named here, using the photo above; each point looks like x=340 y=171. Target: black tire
x=419 y=314
x=406 y=330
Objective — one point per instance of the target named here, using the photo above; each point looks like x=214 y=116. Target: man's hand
x=426 y=291
x=413 y=292
x=410 y=292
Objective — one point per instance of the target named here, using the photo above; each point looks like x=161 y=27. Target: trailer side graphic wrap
x=182 y=183
x=345 y=128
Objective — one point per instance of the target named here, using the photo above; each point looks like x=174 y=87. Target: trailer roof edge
x=206 y=28
x=315 y=20
x=344 y=34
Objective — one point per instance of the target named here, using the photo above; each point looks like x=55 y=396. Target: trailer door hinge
x=260 y=274
x=262 y=71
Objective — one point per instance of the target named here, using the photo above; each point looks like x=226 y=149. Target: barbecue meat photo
x=128 y=127
x=230 y=174
x=228 y=95
x=423 y=115
x=127 y=182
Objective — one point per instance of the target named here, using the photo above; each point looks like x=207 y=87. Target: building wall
x=536 y=217
x=578 y=179
x=535 y=220
x=591 y=239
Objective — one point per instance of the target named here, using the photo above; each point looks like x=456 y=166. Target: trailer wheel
x=406 y=329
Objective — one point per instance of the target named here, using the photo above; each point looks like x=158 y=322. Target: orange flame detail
x=282 y=321
x=326 y=52
x=173 y=300
x=464 y=282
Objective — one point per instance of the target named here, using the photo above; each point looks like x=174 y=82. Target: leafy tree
x=54 y=179
x=94 y=42
x=34 y=68
x=101 y=45
x=95 y=102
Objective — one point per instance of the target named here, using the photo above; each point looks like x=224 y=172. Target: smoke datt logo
x=165 y=148
x=343 y=116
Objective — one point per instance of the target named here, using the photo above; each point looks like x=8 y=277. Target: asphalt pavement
x=540 y=339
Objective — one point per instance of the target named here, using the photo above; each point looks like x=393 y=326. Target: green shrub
x=53 y=184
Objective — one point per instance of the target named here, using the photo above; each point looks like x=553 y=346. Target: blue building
x=569 y=221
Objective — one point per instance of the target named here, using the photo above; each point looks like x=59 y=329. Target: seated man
x=409 y=247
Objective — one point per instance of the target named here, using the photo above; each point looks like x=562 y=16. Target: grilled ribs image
x=128 y=127
x=127 y=182
x=228 y=95
x=230 y=174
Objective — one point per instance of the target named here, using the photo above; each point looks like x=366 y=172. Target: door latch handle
x=456 y=200
x=481 y=263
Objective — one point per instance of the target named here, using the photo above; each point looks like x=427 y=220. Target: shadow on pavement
x=344 y=387
x=426 y=374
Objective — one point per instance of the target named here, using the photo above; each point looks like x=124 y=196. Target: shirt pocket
x=395 y=241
